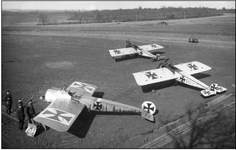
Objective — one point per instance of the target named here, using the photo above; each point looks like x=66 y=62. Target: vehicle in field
x=134 y=50
x=182 y=73
x=163 y=23
x=193 y=40
x=66 y=105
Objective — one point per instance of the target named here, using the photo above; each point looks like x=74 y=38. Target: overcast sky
x=102 y=5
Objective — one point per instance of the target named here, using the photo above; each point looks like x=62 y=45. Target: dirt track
x=37 y=58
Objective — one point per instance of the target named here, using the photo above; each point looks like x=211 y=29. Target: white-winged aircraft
x=182 y=73
x=66 y=105
x=134 y=50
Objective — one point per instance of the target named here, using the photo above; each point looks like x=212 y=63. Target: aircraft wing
x=151 y=47
x=60 y=114
x=118 y=53
x=80 y=88
x=154 y=76
x=193 y=67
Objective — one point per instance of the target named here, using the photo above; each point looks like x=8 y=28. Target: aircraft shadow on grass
x=167 y=84
x=128 y=57
x=82 y=124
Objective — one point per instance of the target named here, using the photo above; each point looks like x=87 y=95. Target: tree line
x=140 y=14
x=137 y=14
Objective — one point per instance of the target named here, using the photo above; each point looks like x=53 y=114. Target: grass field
x=35 y=58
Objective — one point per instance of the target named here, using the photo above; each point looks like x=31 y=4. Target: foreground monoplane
x=66 y=105
x=134 y=50
x=181 y=73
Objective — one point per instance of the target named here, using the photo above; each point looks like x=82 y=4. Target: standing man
x=30 y=111
x=128 y=44
x=8 y=102
x=20 y=116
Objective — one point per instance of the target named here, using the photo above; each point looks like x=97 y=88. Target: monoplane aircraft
x=181 y=73
x=66 y=105
x=134 y=50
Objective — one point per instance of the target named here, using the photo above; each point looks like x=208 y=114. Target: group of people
x=22 y=112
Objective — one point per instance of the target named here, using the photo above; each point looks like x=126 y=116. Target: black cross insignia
x=154 y=46
x=182 y=78
x=117 y=51
x=213 y=87
x=151 y=75
x=207 y=92
x=192 y=66
x=148 y=108
x=98 y=105
x=56 y=116
x=83 y=86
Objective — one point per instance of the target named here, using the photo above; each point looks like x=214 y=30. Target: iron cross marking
x=57 y=115
x=207 y=92
x=154 y=46
x=117 y=51
x=182 y=78
x=85 y=87
x=98 y=105
x=213 y=87
x=192 y=66
x=151 y=75
x=148 y=108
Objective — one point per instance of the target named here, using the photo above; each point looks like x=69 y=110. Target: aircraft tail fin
x=149 y=109
x=213 y=89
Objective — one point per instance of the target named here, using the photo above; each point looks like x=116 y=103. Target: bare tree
x=43 y=19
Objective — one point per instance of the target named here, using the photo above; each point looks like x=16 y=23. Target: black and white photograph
x=118 y=74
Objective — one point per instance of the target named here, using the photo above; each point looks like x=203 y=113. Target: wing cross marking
x=151 y=75
x=117 y=51
x=58 y=115
x=192 y=66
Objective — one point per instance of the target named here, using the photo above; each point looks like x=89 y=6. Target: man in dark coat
x=128 y=44
x=30 y=111
x=20 y=115
x=8 y=102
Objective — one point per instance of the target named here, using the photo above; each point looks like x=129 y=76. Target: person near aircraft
x=128 y=43
x=30 y=112
x=20 y=102
x=166 y=63
x=20 y=116
x=8 y=102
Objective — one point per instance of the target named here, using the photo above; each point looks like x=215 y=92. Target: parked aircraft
x=181 y=73
x=134 y=50
x=66 y=105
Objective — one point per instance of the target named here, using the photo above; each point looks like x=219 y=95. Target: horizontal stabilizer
x=220 y=89
x=207 y=93
x=148 y=116
x=213 y=89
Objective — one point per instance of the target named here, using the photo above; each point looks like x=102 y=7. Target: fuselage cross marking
x=182 y=78
x=97 y=105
